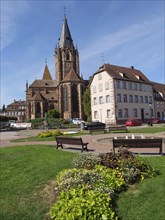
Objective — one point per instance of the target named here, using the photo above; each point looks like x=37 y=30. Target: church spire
x=46 y=74
x=65 y=40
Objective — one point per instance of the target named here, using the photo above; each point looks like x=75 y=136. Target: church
x=65 y=92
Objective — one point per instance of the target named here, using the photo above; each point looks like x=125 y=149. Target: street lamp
x=150 y=104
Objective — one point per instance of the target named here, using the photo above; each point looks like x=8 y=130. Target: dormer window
x=123 y=75
x=139 y=77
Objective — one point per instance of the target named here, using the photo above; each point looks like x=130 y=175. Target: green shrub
x=48 y=133
x=82 y=204
x=132 y=168
x=86 y=160
x=100 y=178
x=4 y=118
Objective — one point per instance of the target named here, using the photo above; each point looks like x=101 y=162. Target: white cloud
x=10 y=12
x=128 y=35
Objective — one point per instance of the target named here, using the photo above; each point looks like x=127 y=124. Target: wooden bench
x=117 y=128
x=138 y=143
x=71 y=141
x=95 y=129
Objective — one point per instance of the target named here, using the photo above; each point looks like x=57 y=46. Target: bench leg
x=84 y=147
x=59 y=145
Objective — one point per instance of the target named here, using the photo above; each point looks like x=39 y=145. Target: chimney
x=132 y=67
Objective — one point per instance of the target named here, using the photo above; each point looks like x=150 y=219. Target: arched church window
x=65 y=97
x=68 y=56
x=38 y=108
x=75 y=102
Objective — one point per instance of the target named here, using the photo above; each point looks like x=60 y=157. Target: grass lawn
x=150 y=129
x=145 y=200
x=27 y=186
x=27 y=174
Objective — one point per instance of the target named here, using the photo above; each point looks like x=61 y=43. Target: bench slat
x=138 y=143
x=71 y=141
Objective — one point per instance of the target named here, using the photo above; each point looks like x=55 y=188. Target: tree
x=87 y=104
x=3 y=108
x=53 y=113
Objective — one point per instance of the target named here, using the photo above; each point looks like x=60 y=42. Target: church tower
x=66 y=56
x=68 y=78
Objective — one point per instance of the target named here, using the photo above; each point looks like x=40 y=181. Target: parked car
x=133 y=122
x=157 y=120
x=94 y=124
x=77 y=121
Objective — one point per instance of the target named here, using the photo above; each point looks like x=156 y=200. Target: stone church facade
x=65 y=92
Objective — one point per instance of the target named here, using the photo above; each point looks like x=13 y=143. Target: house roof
x=46 y=74
x=72 y=76
x=159 y=89
x=17 y=103
x=43 y=83
x=124 y=73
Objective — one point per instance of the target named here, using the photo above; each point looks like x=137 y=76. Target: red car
x=157 y=121
x=133 y=122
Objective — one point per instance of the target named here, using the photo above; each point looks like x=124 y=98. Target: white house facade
x=119 y=93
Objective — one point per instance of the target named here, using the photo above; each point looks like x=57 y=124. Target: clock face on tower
x=68 y=64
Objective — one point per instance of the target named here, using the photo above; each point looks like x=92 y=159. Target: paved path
x=97 y=143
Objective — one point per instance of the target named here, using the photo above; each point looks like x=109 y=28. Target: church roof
x=43 y=83
x=40 y=96
x=65 y=40
x=37 y=97
x=124 y=73
x=72 y=76
x=46 y=74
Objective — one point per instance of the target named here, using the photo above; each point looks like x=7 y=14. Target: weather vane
x=64 y=11
x=46 y=61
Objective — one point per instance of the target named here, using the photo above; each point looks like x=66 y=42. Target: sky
x=123 y=33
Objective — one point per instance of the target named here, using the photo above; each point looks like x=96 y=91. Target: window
x=106 y=85
x=126 y=113
x=134 y=112
x=67 y=56
x=107 y=98
x=100 y=87
x=120 y=113
x=130 y=85
x=146 y=99
x=94 y=101
x=130 y=99
x=108 y=113
x=140 y=87
x=95 y=114
x=141 y=99
x=99 y=76
x=118 y=97
x=150 y=99
x=136 y=98
x=117 y=84
x=124 y=85
x=135 y=86
x=65 y=97
x=94 y=89
x=100 y=100
x=125 y=97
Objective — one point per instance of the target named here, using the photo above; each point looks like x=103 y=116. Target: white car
x=77 y=121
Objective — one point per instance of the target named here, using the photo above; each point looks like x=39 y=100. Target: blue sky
x=124 y=33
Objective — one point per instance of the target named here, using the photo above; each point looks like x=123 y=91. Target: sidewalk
x=100 y=143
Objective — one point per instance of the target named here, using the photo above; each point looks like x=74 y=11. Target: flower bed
x=88 y=190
